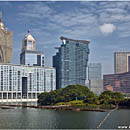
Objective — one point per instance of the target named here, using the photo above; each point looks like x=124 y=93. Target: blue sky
x=105 y=24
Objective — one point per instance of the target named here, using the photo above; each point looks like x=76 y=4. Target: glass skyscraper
x=94 y=71
x=95 y=78
x=70 y=62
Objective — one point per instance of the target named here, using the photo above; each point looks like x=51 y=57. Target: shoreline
x=60 y=107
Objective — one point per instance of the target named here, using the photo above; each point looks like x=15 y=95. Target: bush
x=91 y=100
x=125 y=102
x=112 y=101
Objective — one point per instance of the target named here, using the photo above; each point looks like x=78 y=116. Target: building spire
x=28 y=30
x=0 y=16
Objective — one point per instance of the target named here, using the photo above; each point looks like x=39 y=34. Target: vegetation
x=72 y=103
x=78 y=95
x=70 y=93
x=108 y=97
x=125 y=103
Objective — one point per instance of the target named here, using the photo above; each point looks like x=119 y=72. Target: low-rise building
x=117 y=82
x=20 y=81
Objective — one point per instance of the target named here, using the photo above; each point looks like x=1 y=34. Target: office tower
x=117 y=82
x=20 y=81
x=70 y=62
x=29 y=55
x=95 y=78
x=6 y=43
x=121 y=62
x=94 y=71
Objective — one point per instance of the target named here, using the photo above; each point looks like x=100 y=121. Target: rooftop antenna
x=28 y=30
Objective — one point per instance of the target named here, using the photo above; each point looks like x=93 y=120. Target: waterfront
x=30 y=118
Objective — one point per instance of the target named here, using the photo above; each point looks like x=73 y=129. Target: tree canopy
x=71 y=92
x=111 y=95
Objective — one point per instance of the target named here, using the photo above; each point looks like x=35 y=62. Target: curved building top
x=81 y=41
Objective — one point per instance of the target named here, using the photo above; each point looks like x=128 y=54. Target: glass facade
x=18 y=81
x=121 y=62
x=32 y=58
x=94 y=71
x=70 y=62
x=95 y=78
x=117 y=82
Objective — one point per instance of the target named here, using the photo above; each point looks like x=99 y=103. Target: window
x=30 y=43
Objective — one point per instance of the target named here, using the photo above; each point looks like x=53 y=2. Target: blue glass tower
x=70 y=62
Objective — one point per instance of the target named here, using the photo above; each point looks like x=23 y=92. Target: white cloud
x=88 y=16
x=107 y=28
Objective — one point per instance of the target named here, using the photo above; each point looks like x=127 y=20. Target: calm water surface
x=30 y=118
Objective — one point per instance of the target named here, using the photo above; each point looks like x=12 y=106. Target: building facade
x=121 y=62
x=29 y=56
x=20 y=81
x=117 y=82
x=32 y=58
x=6 y=43
x=96 y=86
x=70 y=62
x=95 y=78
x=94 y=71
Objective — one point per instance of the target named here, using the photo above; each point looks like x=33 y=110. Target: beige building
x=28 y=43
x=6 y=43
x=121 y=62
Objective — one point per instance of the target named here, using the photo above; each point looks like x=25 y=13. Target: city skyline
x=105 y=24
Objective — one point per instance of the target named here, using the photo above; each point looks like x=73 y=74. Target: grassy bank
x=81 y=104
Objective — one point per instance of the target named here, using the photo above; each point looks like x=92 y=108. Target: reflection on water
x=21 y=118
x=20 y=103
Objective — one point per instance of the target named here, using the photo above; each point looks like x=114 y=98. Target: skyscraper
x=121 y=62
x=6 y=43
x=29 y=55
x=94 y=71
x=70 y=62
x=95 y=78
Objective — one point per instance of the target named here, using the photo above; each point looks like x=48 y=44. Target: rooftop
x=81 y=41
x=29 y=37
x=9 y=64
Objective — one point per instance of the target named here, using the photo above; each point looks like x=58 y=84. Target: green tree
x=67 y=94
x=108 y=97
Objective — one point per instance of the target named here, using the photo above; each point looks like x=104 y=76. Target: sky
x=105 y=24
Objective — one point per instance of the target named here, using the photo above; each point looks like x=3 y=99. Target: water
x=30 y=118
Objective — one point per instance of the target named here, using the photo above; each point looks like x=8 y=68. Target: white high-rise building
x=20 y=81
